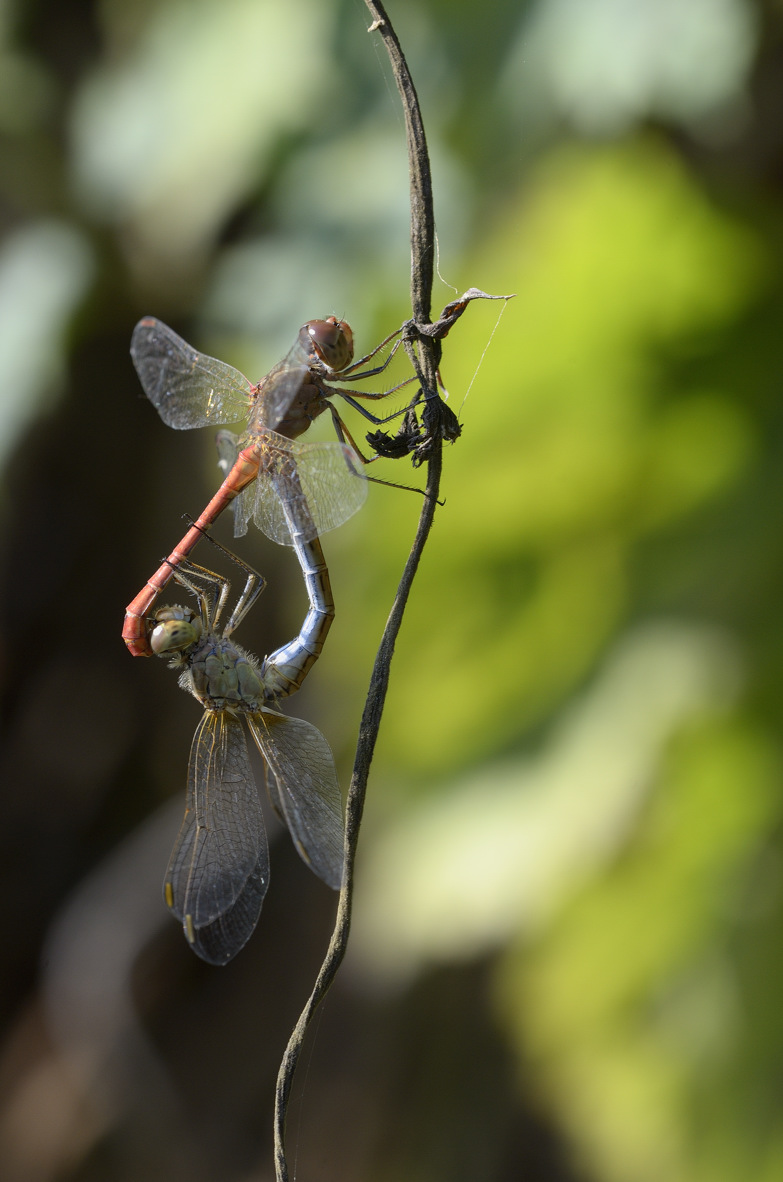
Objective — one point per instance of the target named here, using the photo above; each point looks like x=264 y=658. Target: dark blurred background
x=567 y=958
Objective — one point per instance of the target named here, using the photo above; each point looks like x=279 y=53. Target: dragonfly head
x=332 y=341
x=174 y=629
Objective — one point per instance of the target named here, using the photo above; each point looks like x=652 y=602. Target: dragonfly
x=218 y=872
x=294 y=491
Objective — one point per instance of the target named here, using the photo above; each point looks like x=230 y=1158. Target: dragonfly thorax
x=223 y=676
x=308 y=404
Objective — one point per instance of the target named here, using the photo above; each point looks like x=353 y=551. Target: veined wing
x=303 y=488
x=188 y=389
x=228 y=445
x=219 y=868
x=281 y=385
x=307 y=488
x=308 y=793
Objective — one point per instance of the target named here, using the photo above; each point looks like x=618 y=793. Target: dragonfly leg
x=211 y=590
x=343 y=434
x=377 y=420
x=350 y=374
x=134 y=631
x=254 y=585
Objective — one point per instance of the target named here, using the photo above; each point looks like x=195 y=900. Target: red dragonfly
x=294 y=491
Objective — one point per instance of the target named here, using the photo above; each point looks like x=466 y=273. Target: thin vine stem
x=424 y=352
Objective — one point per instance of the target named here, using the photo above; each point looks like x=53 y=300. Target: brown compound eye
x=332 y=340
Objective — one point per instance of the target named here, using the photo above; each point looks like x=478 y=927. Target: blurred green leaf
x=575 y=446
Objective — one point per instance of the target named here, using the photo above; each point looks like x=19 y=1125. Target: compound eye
x=176 y=628
x=332 y=340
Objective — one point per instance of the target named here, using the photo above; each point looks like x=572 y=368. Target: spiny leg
x=350 y=374
x=375 y=396
x=343 y=434
x=254 y=585
x=211 y=590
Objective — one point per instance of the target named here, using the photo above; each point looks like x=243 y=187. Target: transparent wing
x=243 y=504
x=281 y=385
x=309 y=488
x=308 y=794
x=273 y=792
x=188 y=389
x=227 y=444
x=219 y=868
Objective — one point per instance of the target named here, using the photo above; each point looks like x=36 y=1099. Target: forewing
x=219 y=868
x=307 y=789
x=188 y=389
x=307 y=488
x=281 y=386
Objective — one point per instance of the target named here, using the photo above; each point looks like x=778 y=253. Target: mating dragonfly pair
x=219 y=868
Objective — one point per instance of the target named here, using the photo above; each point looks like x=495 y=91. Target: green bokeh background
x=567 y=955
